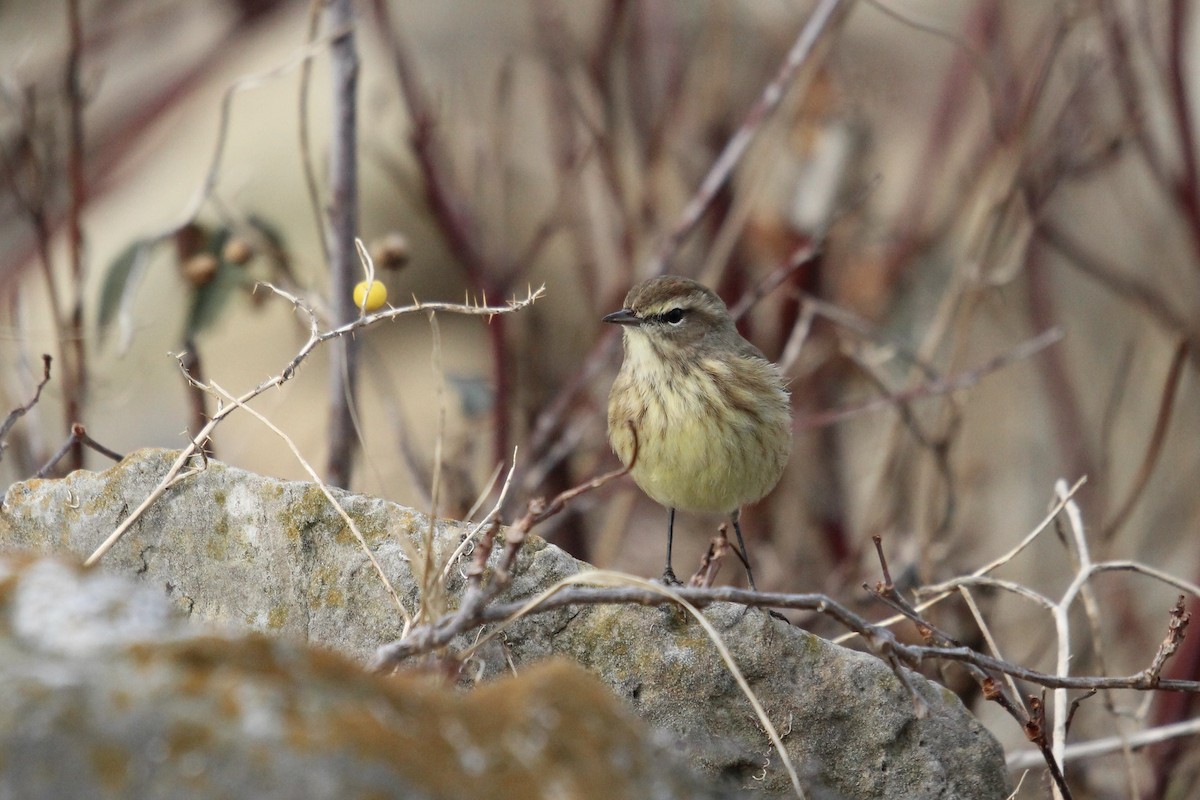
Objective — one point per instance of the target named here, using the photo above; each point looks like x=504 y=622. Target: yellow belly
x=700 y=448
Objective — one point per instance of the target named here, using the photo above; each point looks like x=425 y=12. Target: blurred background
x=970 y=234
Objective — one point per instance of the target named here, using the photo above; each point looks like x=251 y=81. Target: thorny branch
x=195 y=447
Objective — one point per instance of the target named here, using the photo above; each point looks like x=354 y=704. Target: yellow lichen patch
x=325 y=589
x=216 y=541
x=196 y=681
x=372 y=531
x=228 y=705
x=494 y=741
x=345 y=536
x=186 y=737
x=277 y=617
x=334 y=598
x=204 y=655
x=110 y=763
x=304 y=511
x=121 y=700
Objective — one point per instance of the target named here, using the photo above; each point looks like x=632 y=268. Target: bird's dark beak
x=623 y=317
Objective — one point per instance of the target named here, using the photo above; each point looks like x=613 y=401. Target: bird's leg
x=742 y=544
x=668 y=576
x=746 y=561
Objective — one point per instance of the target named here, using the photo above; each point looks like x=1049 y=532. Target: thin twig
x=245 y=83
x=802 y=255
x=985 y=629
x=306 y=160
x=1101 y=747
x=1062 y=623
x=1035 y=731
x=430 y=577
x=1175 y=631
x=947 y=385
x=176 y=472
x=941 y=591
x=312 y=473
x=1162 y=421
x=78 y=438
x=772 y=94
x=670 y=594
x=21 y=411
x=1187 y=185
x=492 y=515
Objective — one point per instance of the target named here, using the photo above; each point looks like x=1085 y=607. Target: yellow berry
x=375 y=297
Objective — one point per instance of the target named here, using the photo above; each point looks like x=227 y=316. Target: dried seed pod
x=390 y=251
x=237 y=251
x=200 y=269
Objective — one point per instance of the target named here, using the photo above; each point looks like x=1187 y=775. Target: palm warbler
x=711 y=414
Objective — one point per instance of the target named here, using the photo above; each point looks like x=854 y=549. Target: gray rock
x=107 y=694
x=239 y=549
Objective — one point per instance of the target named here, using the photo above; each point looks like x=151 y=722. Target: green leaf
x=121 y=281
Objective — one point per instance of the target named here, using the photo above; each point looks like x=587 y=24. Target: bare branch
x=1162 y=422
x=21 y=411
x=1102 y=747
x=772 y=94
x=953 y=383
x=79 y=438
x=195 y=447
x=1175 y=631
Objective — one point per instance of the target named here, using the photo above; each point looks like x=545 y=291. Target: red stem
x=1187 y=185
x=72 y=341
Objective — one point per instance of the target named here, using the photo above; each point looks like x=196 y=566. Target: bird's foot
x=668 y=578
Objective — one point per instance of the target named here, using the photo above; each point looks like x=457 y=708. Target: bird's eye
x=674 y=316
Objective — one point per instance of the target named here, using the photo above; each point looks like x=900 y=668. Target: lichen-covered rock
x=236 y=548
x=107 y=694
